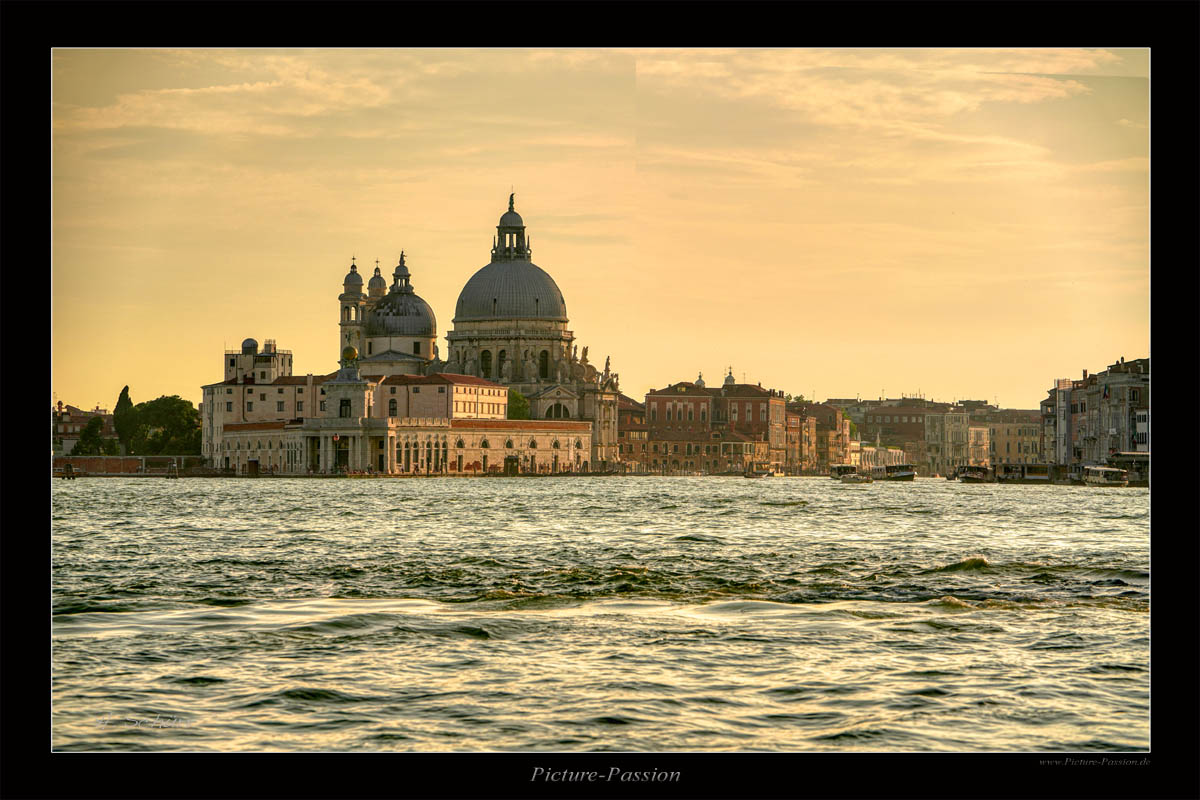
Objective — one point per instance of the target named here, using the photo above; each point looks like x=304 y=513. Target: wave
x=974 y=562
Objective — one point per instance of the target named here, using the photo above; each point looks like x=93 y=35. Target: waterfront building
x=946 y=441
x=631 y=433
x=392 y=424
x=1089 y=420
x=978 y=447
x=1014 y=437
x=68 y=422
x=511 y=327
x=831 y=435
x=692 y=427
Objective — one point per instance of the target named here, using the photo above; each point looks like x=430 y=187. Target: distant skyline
x=963 y=223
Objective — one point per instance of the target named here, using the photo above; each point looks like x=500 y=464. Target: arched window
x=533 y=444
x=500 y=359
x=668 y=413
x=459 y=444
x=557 y=411
x=544 y=364
x=484 y=444
x=485 y=363
x=508 y=445
x=345 y=313
x=690 y=413
x=555 y=445
x=392 y=407
x=703 y=414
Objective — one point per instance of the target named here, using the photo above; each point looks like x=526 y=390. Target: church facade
x=395 y=406
x=511 y=326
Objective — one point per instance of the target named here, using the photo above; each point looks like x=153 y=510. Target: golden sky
x=964 y=223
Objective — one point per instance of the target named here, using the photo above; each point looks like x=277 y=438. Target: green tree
x=853 y=430
x=169 y=425
x=90 y=442
x=124 y=418
x=110 y=447
x=518 y=405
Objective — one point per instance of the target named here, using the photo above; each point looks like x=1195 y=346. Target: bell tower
x=353 y=305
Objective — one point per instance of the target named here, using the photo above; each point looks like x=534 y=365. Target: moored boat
x=855 y=478
x=1023 y=473
x=1105 y=476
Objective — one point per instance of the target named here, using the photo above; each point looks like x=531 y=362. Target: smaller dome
x=729 y=379
x=511 y=219
x=249 y=347
x=352 y=277
x=350 y=353
x=378 y=283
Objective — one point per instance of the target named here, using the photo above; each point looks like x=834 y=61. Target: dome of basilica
x=510 y=290
x=511 y=286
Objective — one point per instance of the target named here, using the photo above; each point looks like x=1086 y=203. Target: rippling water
x=629 y=614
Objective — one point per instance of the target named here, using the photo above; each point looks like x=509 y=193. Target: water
x=576 y=614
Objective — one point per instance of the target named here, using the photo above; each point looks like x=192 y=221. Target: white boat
x=836 y=471
x=894 y=472
x=856 y=477
x=1105 y=476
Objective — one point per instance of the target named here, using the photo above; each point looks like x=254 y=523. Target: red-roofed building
x=694 y=428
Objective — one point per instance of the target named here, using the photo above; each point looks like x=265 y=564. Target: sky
x=834 y=223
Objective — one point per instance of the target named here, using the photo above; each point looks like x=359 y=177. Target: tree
x=518 y=405
x=110 y=447
x=124 y=418
x=90 y=442
x=169 y=425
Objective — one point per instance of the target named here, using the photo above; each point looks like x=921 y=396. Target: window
x=229 y=391
x=231 y=362
x=533 y=444
x=279 y=405
x=344 y=408
x=441 y=390
x=544 y=364
x=299 y=406
x=555 y=445
x=416 y=390
x=322 y=405
x=249 y=405
x=262 y=376
x=1134 y=395
x=322 y=391
x=249 y=391
x=578 y=443
x=484 y=444
x=416 y=348
x=703 y=413
x=280 y=390
x=691 y=413
x=368 y=348
x=392 y=409
x=229 y=406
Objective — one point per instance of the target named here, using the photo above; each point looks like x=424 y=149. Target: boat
x=856 y=478
x=1023 y=473
x=894 y=472
x=836 y=471
x=757 y=470
x=971 y=473
x=1105 y=476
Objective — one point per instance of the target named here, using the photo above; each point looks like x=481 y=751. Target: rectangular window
x=280 y=390
x=441 y=390
x=279 y=406
x=262 y=376
x=417 y=348
x=231 y=362
x=416 y=390
x=322 y=405
x=393 y=390
x=229 y=391
x=229 y=406
x=1134 y=395
x=249 y=405
x=299 y=406
x=262 y=395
